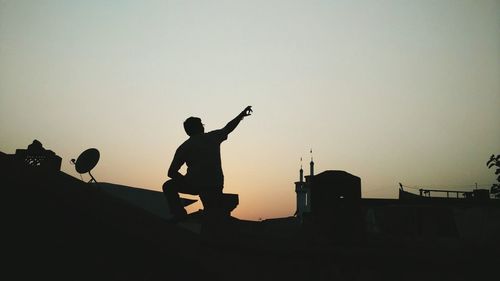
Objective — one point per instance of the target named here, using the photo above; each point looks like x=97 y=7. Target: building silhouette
x=319 y=194
x=303 y=190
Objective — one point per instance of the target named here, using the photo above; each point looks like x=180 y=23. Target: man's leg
x=211 y=200
x=212 y=207
x=171 y=190
x=216 y=226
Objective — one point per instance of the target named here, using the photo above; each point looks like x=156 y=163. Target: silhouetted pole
x=301 y=179
x=311 y=165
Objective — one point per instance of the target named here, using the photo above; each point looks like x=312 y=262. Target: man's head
x=193 y=126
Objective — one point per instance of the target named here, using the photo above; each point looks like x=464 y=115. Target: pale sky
x=390 y=91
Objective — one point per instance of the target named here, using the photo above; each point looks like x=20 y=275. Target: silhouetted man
x=201 y=154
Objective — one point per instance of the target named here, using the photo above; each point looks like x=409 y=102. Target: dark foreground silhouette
x=57 y=227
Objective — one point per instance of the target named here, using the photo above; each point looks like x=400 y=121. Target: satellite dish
x=86 y=162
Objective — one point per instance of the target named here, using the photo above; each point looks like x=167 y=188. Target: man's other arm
x=177 y=162
x=234 y=123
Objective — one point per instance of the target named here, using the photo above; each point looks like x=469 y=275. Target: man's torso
x=202 y=156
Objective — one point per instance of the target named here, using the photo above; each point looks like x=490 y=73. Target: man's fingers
x=248 y=110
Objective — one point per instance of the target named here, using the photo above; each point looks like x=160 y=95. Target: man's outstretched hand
x=233 y=123
x=247 y=111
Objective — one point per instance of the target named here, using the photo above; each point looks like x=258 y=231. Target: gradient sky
x=390 y=91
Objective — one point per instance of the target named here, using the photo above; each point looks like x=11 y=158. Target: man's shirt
x=201 y=153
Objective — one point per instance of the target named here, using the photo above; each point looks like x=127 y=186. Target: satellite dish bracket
x=92 y=178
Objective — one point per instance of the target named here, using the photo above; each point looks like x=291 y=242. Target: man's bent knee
x=169 y=186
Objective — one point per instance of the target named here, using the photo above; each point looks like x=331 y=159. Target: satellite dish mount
x=86 y=162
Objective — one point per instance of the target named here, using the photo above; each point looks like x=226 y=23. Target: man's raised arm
x=234 y=123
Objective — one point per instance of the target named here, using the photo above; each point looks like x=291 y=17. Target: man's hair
x=191 y=125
